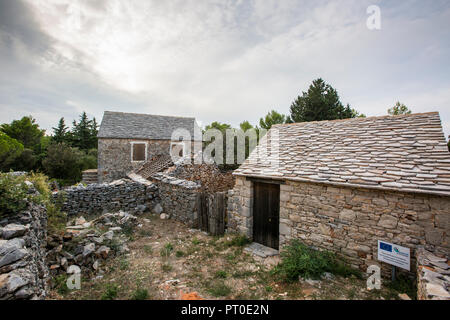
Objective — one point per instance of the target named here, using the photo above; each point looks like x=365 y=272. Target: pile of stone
x=433 y=276
x=87 y=244
x=208 y=176
x=23 y=271
x=123 y=194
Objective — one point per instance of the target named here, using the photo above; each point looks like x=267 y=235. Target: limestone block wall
x=126 y=195
x=349 y=221
x=178 y=198
x=114 y=156
x=23 y=269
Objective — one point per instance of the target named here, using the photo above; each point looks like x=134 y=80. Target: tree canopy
x=320 y=102
x=26 y=131
x=399 y=108
x=272 y=118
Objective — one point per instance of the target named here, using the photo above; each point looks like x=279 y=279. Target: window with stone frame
x=138 y=151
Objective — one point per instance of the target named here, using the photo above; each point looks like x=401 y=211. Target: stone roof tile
x=406 y=152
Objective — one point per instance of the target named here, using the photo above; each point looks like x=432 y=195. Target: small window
x=138 y=151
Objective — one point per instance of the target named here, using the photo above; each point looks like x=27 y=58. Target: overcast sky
x=224 y=61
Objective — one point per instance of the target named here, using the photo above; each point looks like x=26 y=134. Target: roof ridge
x=360 y=118
x=148 y=114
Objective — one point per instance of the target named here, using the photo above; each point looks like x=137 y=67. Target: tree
x=10 y=150
x=272 y=118
x=63 y=162
x=320 y=102
x=60 y=132
x=84 y=133
x=399 y=108
x=26 y=131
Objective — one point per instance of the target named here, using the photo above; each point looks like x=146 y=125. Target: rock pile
x=433 y=276
x=123 y=194
x=87 y=244
x=23 y=271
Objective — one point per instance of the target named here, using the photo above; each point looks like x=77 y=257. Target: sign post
x=395 y=255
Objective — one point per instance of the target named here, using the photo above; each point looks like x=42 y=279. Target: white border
x=132 y=143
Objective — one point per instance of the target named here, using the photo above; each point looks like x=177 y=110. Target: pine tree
x=320 y=102
x=272 y=118
x=399 y=108
x=81 y=133
x=60 y=132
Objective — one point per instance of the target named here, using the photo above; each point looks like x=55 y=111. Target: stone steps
x=90 y=176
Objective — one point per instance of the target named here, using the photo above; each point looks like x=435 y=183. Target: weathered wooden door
x=266 y=214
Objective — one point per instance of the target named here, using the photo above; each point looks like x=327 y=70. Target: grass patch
x=148 y=249
x=124 y=264
x=166 y=250
x=110 y=292
x=166 y=267
x=221 y=274
x=140 y=294
x=219 y=289
x=145 y=233
x=237 y=241
x=179 y=254
x=402 y=284
x=299 y=260
x=196 y=242
x=61 y=284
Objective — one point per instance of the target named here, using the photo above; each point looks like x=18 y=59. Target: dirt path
x=167 y=260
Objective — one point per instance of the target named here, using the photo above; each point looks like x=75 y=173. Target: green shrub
x=299 y=260
x=13 y=194
x=403 y=284
x=61 y=284
x=166 y=251
x=110 y=292
x=179 y=254
x=140 y=294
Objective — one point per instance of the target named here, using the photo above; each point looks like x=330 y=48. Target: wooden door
x=266 y=214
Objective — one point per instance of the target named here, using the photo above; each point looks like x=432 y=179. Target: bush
x=238 y=241
x=299 y=260
x=219 y=289
x=13 y=194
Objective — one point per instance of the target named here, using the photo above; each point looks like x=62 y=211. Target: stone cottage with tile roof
x=126 y=141
x=342 y=185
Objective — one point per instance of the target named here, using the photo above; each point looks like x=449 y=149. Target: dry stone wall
x=349 y=221
x=178 y=198
x=23 y=270
x=124 y=194
x=433 y=276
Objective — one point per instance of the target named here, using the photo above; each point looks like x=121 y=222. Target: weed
x=219 y=289
x=145 y=233
x=110 y=292
x=238 y=241
x=268 y=289
x=195 y=241
x=402 y=284
x=166 y=251
x=148 y=249
x=301 y=260
x=140 y=294
x=124 y=264
x=220 y=274
x=166 y=267
x=61 y=284
x=179 y=254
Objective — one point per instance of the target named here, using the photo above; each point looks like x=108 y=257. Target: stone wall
x=349 y=221
x=433 y=276
x=23 y=270
x=178 y=198
x=122 y=194
x=114 y=156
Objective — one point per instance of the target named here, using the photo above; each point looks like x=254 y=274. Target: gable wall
x=349 y=221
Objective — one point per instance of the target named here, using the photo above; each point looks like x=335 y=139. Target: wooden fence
x=212 y=211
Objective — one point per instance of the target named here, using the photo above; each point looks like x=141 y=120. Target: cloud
x=224 y=61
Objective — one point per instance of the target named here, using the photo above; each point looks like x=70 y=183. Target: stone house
x=126 y=141
x=342 y=185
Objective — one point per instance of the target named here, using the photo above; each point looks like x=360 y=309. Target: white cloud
x=231 y=61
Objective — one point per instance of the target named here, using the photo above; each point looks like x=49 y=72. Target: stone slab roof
x=145 y=126
x=406 y=152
